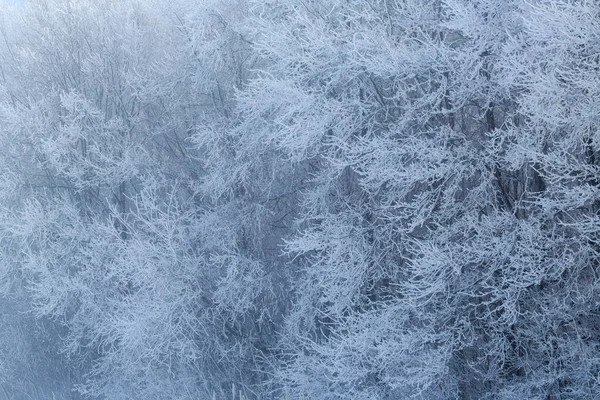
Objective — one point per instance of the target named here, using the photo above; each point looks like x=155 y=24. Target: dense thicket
x=340 y=199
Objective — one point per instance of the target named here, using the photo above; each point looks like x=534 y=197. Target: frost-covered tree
x=431 y=265
x=108 y=228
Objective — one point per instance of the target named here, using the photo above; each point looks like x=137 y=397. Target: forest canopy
x=300 y=199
